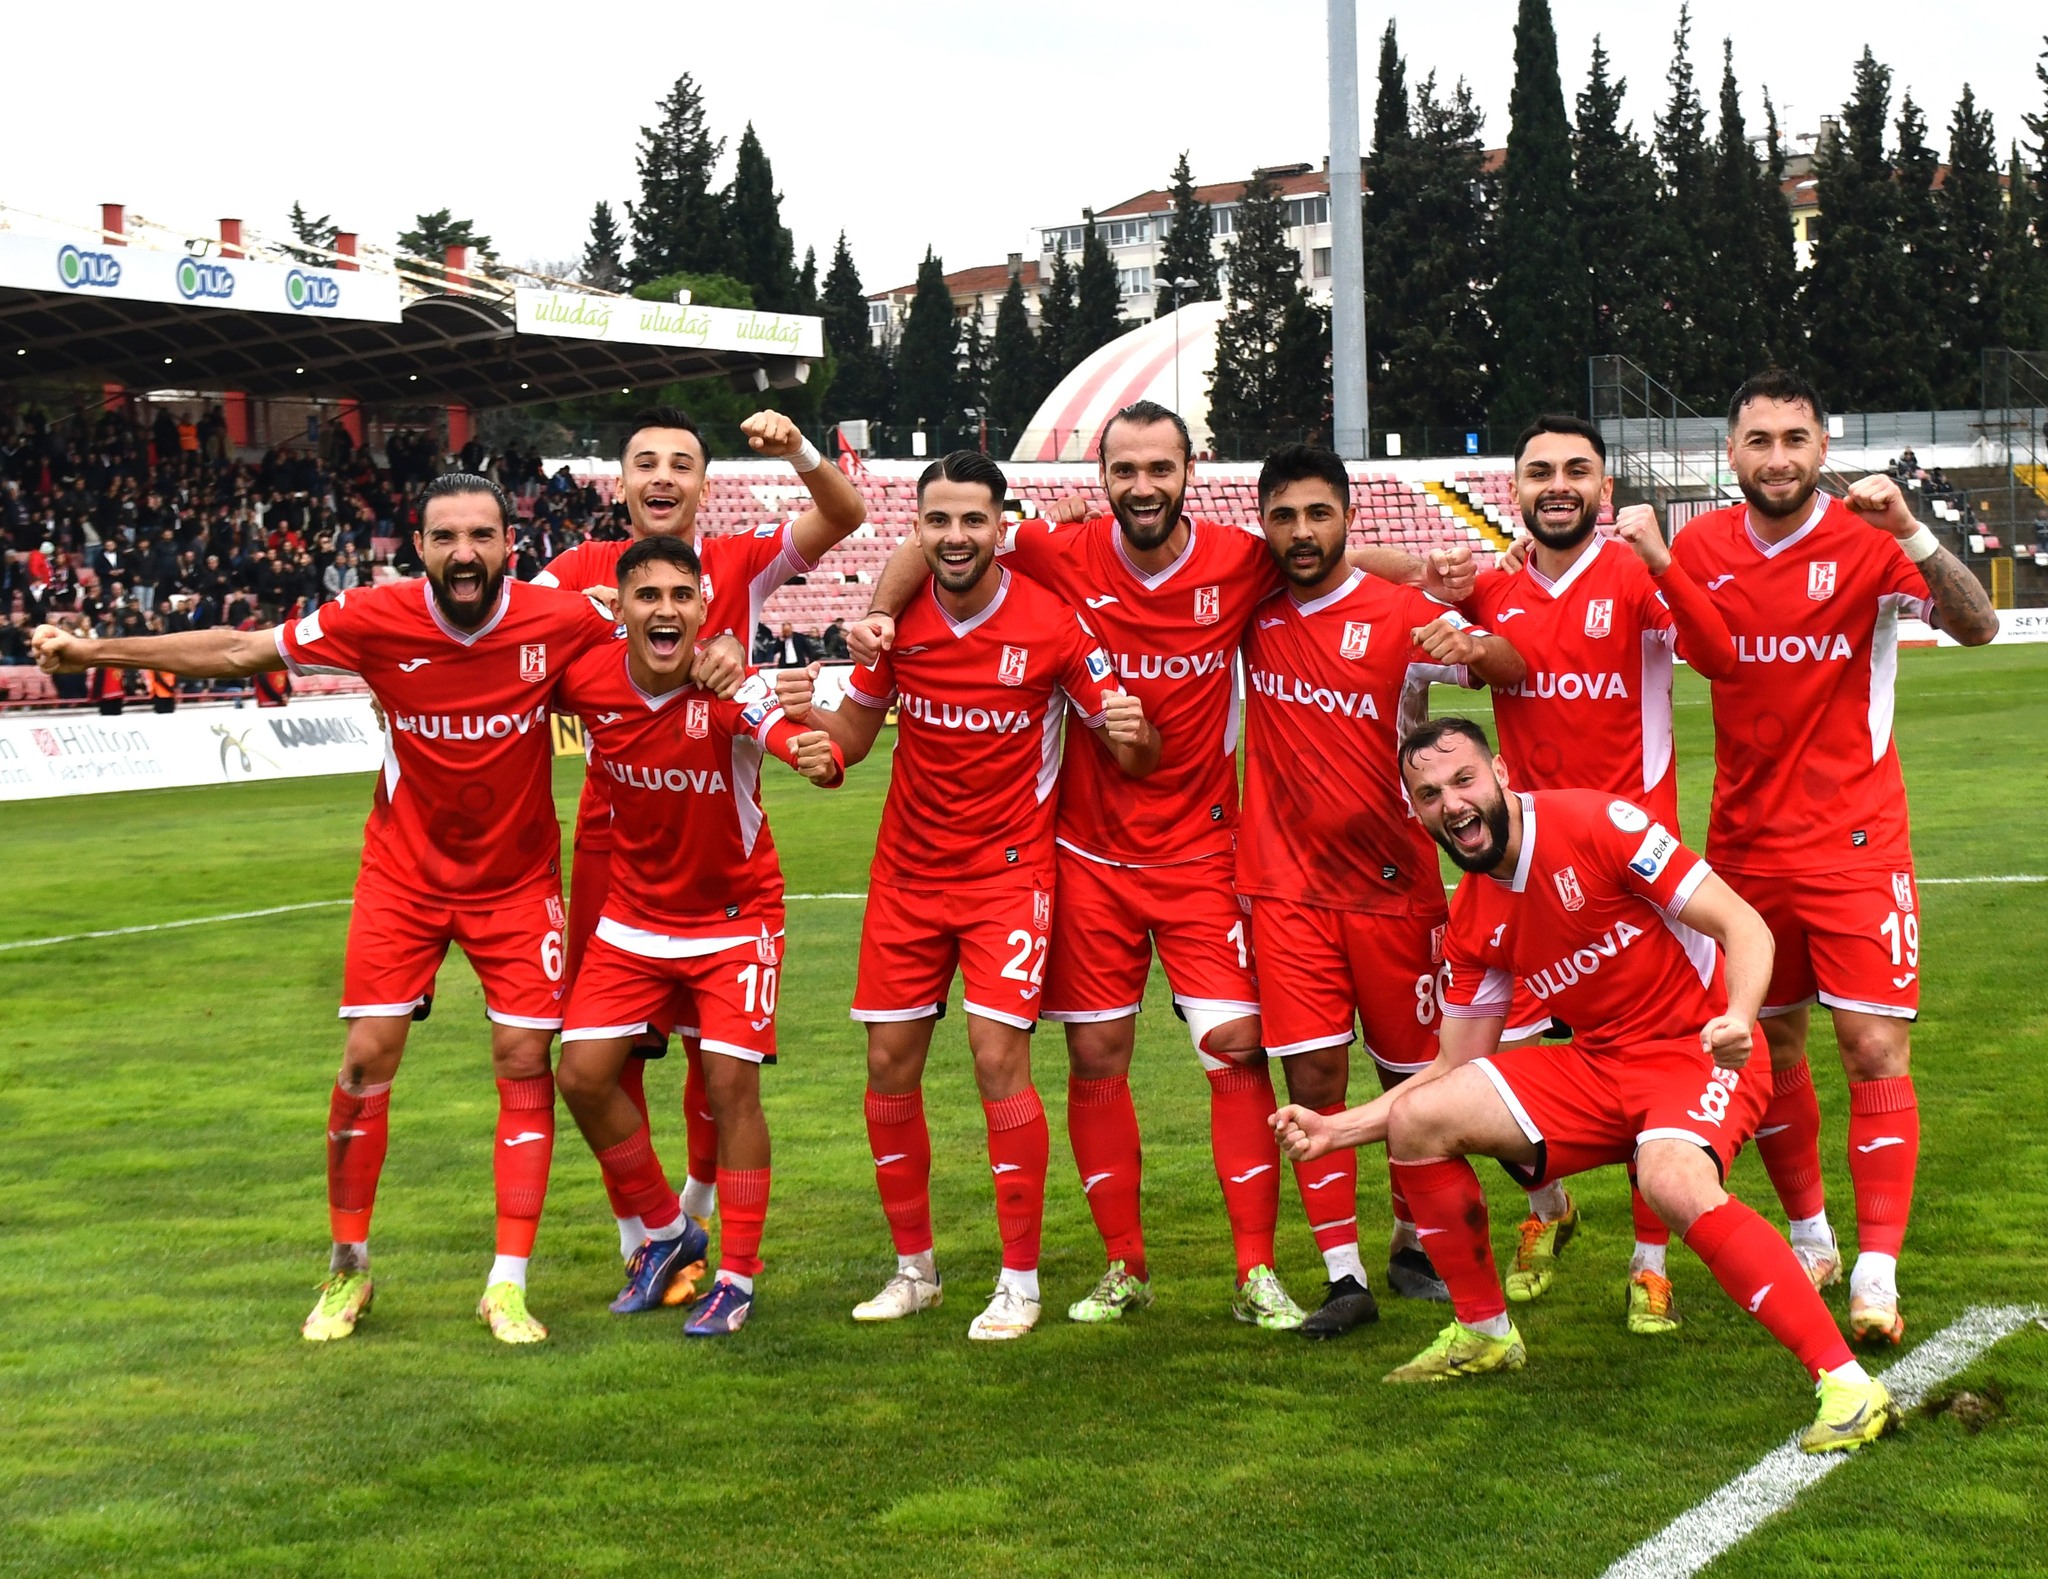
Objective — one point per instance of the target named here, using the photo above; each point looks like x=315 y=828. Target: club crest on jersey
x=697 y=717
x=1208 y=605
x=1568 y=889
x=1041 y=910
x=1820 y=579
x=1012 y=670
x=1902 y=890
x=533 y=662
x=557 y=917
x=764 y=946
x=704 y=586
x=1436 y=945
x=1600 y=616
x=1356 y=634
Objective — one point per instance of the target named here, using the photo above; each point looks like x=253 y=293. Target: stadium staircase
x=2034 y=479
x=1470 y=499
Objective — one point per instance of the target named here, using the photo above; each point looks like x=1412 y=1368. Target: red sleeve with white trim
x=1648 y=857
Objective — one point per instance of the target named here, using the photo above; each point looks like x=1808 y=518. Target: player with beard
x=1660 y=968
x=1598 y=619
x=1150 y=864
x=461 y=846
x=1809 y=820
x=663 y=469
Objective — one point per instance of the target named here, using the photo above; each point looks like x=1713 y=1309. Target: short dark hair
x=1142 y=414
x=1777 y=383
x=661 y=417
x=1303 y=463
x=657 y=551
x=1564 y=423
x=966 y=466
x=1434 y=733
x=449 y=484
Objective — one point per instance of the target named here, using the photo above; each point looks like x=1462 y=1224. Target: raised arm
x=216 y=654
x=1961 y=606
x=853 y=726
x=836 y=505
x=874 y=633
x=1703 y=639
x=1305 y=1134
x=1488 y=659
x=1445 y=574
x=1723 y=915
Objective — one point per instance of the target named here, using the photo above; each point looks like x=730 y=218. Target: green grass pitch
x=162 y=1100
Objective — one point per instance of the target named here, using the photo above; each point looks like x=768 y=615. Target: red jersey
x=978 y=734
x=747 y=566
x=1594 y=710
x=1334 y=684
x=1589 y=925
x=1173 y=636
x=465 y=807
x=691 y=853
x=1806 y=776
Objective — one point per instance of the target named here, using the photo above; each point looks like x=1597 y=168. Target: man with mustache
x=1660 y=967
x=461 y=847
x=1809 y=817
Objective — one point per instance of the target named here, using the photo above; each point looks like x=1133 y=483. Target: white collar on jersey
x=1773 y=550
x=1317 y=605
x=456 y=633
x=967 y=626
x=1520 y=880
x=1154 y=581
x=654 y=703
x=1562 y=585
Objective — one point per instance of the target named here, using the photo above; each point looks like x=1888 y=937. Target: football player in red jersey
x=695 y=901
x=1809 y=818
x=1346 y=904
x=1599 y=620
x=662 y=475
x=984 y=666
x=461 y=846
x=1660 y=968
x=1150 y=865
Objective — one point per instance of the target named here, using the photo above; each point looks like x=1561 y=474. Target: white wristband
x=1922 y=545
x=807 y=459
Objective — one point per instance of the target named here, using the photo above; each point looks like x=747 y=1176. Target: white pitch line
x=2018 y=877
x=1693 y=1540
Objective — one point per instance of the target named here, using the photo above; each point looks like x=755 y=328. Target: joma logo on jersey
x=533 y=662
x=1600 y=616
x=1568 y=889
x=1357 y=633
x=1820 y=579
x=1554 y=978
x=697 y=717
x=1208 y=605
x=1902 y=890
x=1012 y=670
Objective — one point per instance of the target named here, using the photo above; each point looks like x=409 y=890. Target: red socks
x=1019 y=1145
x=1650 y=1228
x=1788 y=1141
x=1329 y=1194
x=1247 y=1159
x=1761 y=1274
x=1884 y=1150
x=358 y=1133
x=633 y=1178
x=902 y=1149
x=742 y=1210
x=1450 y=1218
x=520 y=1157
x=1102 y=1126
x=700 y=1130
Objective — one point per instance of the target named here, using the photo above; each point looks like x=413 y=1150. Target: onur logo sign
x=197 y=280
x=76 y=267
x=303 y=290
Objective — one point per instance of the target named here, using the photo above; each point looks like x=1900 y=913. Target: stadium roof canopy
x=110 y=306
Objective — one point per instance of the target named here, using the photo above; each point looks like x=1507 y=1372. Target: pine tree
x=972 y=389
x=315 y=236
x=1098 y=300
x=807 y=283
x=1614 y=205
x=2020 y=279
x=2038 y=125
x=1973 y=222
x=432 y=235
x=1248 y=400
x=1778 y=269
x=1055 y=322
x=1685 y=171
x=1735 y=321
x=679 y=223
x=1389 y=189
x=1015 y=385
x=1189 y=252
x=602 y=265
x=860 y=372
x=762 y=252
x=1920 y=355
x=927 y=357
x=1539 y=302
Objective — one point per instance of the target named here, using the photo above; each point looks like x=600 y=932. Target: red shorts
x=911 y=940
x=1318 y=968
x=590 y=884
x=396 y=943
x=1111 y=918
x=1585 y=1111
x=1850 y=939
x=733 y=993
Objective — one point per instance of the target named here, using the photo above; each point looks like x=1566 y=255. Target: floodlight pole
x=1348 y=413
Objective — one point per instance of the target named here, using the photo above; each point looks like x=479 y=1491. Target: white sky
x=965 y=127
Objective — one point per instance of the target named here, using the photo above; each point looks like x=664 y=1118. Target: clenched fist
x=1637 y=527
x=1303 y=1133
x=1727 y=1039
x=1515 y=555
x=772 y=435
x=1123 y=718
x=1447 y=640
x=1071 y=507
x=60 y=652
x=811 y=755
x=793 y=691
x=1448 y=573
x=1878 y=500
x=868 y=637
x=720 y=666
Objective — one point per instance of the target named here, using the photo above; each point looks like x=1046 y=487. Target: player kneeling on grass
x=694 y=903
x=1585 y=901
x=984 y=666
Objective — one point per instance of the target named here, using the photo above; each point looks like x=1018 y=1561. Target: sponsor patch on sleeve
x=753 y=689
x=308 y=629
x=1098 y=665
x=770 y=530
x=1627 y=816
x=753 y=715
x=1658 y=846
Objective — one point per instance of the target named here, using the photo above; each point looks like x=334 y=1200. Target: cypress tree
x=1539 y=302
x=679 y=223
x=1015 y=385
x=762 y=252
x=1685 y=169
x=1098 y=302
x=1389 y=190
x=1778 y=272
x=1973 y=223
x=927 y=357
x=1735 y=319
x=2020 y=279
x=807 y=283
x=2038 y=125
x=1301 y=370
x=1189 y=252
x=860 y=372
x=1245 y=397
x=1055 y=323
x=602 y=266
x=1920 y=355
x=1614 y=206
x=1389 y=122
x=972 y=386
